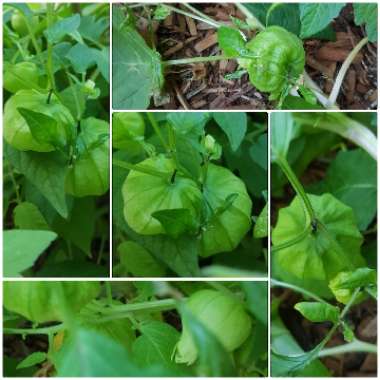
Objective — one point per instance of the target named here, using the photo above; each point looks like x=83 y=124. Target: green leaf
x=352 y=178
x=156 y=344
x=136 y=260
x=46 y=171
x=234 y=125
x=366 y=13
x=81 y=57
x=161 y=12
x=348 y=333
x=22 y=248
x=316 y=16
x=185 y=122
x=27 y=216
x=318 y=311
x=212 y=357
x=43 y=127
x=101 y=58
x=32 y=359
x=231 y=41
x=176 y=222
x=283 y=131
x=360 y=277
x=136 y=70
x=92 y=27
x=314 y=257
x=285 y=15
x=62 y=28
x=261 y=226
x=257 y=299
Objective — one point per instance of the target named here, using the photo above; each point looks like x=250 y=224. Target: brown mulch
x=203 y=86
x=363 y=320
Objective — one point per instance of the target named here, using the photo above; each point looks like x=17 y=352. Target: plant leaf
x=234 y=125
x=366 y=13
x=231 y=41
x=32 y=359
x=22 y=248
x=318 y=311
x=62 y=28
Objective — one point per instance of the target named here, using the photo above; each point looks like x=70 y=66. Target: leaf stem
x=297 y=289
x=342 y=72
x=194 y=16
x=297 y=186
x=157 y=130
x=49 y=61
x=186 y=61
x=249 y=15
x=141 y=168
x=42 y=330
x=355 y=346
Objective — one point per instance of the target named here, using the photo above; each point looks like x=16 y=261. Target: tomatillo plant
x=56 y=139
x=267 y=44
x=321 y=240
x=133 y=329
x=182 y=193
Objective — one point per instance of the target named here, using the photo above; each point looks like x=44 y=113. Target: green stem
x=354 y=346
x=343 y=70
x=198 y=12
x=49 y=61
x=42 y=330
x=186 y=61
x=297 y=289
x=297 y=186
x=188 y=14
x=141 y=168
x=109 y=292
x=157 y=130
x=250 y=15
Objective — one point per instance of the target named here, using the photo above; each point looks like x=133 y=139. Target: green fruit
x=46 y=301
x=224 y=231
x=89 y=174
x=278 y=59
x=19 y=25
x=222 y=315
x=127 y=129
x=16 y=130
x=20 y=76
x=144 y=194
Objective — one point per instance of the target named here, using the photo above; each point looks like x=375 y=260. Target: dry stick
x=342 y=72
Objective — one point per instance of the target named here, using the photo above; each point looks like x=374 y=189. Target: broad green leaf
x=259 y=151
x=348 y=333
x=257 y=299
x=27 y=216
x=79 y=227
x=101 y=58
x=366 y=13
x=161 y=12
x=185 y=122
x=155 y=344
x=315 y=257
x=32 y=359
x=87 y=353
x=44 y=128
x=176 y=222
x=260 y=229
x=298 y=103
x=92 y=28
x=62 y=28
x=213 y=360
x=234 y=125
x=282 y=342
x=352 y=178
x=137 y=261
x=360 y=277
x=318 y=311
x=22 y=248
x=136 y=70
x=231 y=41
x=81 y=57
x=283 y=131
x=316 y=16
x=46 y=171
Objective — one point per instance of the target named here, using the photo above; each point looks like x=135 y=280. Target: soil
x=203 y=86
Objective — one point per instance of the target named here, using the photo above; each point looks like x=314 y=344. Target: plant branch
x=342 y=72
x=354 y=346
x=186 y=61
x=157 y=130
x=42 y=330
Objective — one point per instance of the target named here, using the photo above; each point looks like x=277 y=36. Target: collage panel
x=135 y=329
x=324 y=244
x=189 y=194
x=250 y=55
x=56 y=140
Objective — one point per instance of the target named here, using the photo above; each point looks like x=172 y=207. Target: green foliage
x=367 y=14
x=56 y=137
x=115 y=329
x=175 y=202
